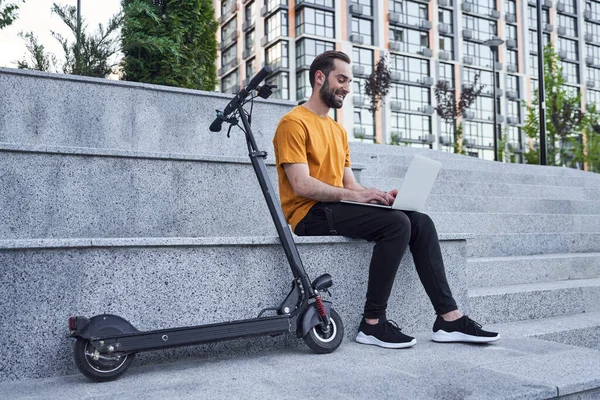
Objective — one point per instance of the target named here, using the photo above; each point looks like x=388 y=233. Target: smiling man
x=313 y=164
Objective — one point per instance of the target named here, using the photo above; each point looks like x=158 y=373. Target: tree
x=587 y=146
x=377 y=85
x=8 y=12
x=39 y=59
x=449 y=110
x=170 y=42
x=564 y=117
x=91 y=57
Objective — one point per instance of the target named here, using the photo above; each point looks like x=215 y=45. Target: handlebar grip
x=258 y=78
x=216 y=125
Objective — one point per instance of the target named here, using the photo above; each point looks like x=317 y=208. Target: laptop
x=416 y=186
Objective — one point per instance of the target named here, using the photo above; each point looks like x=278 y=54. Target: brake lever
x=232 y=121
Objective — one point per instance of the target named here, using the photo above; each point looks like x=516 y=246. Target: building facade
x=424 y=42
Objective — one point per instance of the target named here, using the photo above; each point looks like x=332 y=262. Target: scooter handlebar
x=240 y=97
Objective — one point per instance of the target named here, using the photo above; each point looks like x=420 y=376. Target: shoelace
x=468 y=321
x=394 y=327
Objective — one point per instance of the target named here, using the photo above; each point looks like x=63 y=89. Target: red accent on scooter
x=320 y=307
x=72 y=323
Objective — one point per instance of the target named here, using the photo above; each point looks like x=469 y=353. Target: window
x=364 y=120
x=249 y=13
x=412 y=127
x=410 y=41
x=447 y=45
x=482 y=29
x=512 y=83
x=480 y=134
x=315 y=22
x=512 y=57
x=282 y=80
x=532 y=17
x=484 y=108
x=593 y=75
x=364 y=58
x=364 y=28
x=358 y=89
x=308 y=49
x=250 y=68
x=593 y=51
x=485 y=78
x=569 y=23
x=229 y=56
x=409 y=69
x=413 y=98
x=249 y=41
x=593 y=97
x=514 y=109
x=324 y=3
x=303 y=88
x=533 y=65
x=446 y=18
x=482 y=55
x=227 y=30
x=594 y=8
x=570 y=72
x=533 y=42
x=570 y=46
x=570 y=6
x=226 y=6
x=511 y=6
x=482 y=6
x=594 y=30
x=276 y=25
x=511 y=32
x=447 y=73
x=277 y=55
x=229 y=82
x=271 y=4
x=410 y=12
x=367 y=7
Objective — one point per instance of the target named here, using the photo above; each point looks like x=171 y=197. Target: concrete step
x=497 y=223
x=513 y=205
x=449 y=173
x=523 y=244
x=521 y=368
x=400 y=155
x=500 y=271
x=157 y=283
x=581 y=330
x=490 y=189
x=508 y=303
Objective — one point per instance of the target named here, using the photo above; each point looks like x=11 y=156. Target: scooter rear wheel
x=100 y=367
x=326 y=342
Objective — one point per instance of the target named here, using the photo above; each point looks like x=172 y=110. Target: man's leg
x=391 y=233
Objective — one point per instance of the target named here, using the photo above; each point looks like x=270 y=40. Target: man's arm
x=349 y=180
x=306 y=186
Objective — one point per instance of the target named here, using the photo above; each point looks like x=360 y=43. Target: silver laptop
x=416 y=186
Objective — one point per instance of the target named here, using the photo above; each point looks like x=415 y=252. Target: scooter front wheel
x=100 y=367
x=321 y=341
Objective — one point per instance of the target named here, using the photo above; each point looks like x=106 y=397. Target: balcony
x=396 y=105
x=426 y=81
x=247 y=25
x=510 y=18
x=357 y=39
x=444 y=28
x=467 y=33
x=561 y=30
x=590 y=61
x=513 y=68
x=468 y=60
x=444 y=55
x=511 y=44
x=588 y=37
x=232 y=10
x=548 y=28
x=590 y=83
x=495 y=14
x=358 y=70
x=466 y=7
x=512 y=95
x=427 y=109
x=425 y=52
x=356 y=9
x=395 y=46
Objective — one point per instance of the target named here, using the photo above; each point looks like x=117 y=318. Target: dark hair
x=324 y=63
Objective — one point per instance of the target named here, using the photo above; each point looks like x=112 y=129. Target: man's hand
x=374 y=195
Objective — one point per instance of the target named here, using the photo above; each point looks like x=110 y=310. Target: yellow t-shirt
x=305 y=137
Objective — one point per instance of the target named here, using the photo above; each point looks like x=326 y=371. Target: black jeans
x=392 y=231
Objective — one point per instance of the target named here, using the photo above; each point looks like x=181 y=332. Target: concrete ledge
x=166 y=282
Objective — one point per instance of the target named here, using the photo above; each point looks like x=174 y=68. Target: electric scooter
x=106 y=344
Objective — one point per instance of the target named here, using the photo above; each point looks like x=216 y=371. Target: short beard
x=328 y=96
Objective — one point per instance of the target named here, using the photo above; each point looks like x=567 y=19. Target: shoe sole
x=367 y=339
x=449 y=337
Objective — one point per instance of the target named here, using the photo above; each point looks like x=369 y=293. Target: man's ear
x=320 y=77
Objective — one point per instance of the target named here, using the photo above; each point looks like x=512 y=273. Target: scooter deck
x=174 y=337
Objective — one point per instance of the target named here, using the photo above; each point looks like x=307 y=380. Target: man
x=313 y=164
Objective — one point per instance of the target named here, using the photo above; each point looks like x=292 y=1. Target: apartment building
x=424 y=41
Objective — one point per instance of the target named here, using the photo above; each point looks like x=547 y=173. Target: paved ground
x=509 y=369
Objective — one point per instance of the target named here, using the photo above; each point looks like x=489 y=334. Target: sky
x=35 y=16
